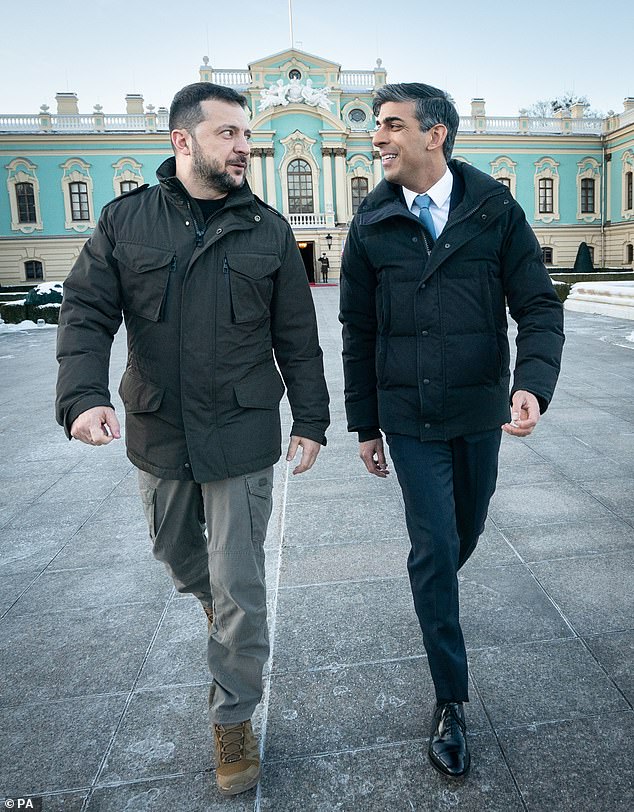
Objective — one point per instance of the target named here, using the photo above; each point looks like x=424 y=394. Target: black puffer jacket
x=425 y=332
x=208 y=311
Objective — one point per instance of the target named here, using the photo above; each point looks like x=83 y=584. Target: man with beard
x=214 y=294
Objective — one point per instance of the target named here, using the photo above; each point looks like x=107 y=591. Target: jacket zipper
x=199 y=234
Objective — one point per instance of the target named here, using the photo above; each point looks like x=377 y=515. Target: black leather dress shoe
x=448 y=750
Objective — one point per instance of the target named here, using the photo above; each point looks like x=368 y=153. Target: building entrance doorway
x=307 y=250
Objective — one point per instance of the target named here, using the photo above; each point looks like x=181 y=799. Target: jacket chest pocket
x=144 y=272
x=251 y=285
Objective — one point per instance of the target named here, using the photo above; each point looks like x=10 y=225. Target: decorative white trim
x=77 y=171
x=126 y=169
x=627 y=165
x=589 y=168
x=504 y=167
x=298 y=146
x=21 y=170
x=356 y=126
x=547 y=168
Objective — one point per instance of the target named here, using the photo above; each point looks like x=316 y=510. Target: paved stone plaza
x=102 y=666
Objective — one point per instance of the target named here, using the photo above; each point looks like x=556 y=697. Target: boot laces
x=231 y=740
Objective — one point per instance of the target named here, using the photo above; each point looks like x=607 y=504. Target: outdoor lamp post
x=329 y=241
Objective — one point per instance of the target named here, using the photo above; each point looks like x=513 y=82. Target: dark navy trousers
x=447 y=487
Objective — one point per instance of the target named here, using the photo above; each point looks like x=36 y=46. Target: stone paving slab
x=103 y=676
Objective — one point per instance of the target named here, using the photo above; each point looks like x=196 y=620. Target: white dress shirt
x=440 y=194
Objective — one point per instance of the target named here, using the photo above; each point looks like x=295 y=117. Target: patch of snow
x=630 y=337
x=24 y=325
x=47 y=287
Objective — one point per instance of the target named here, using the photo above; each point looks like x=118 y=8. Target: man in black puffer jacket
x=434 y=254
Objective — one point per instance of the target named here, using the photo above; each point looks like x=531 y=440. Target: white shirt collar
x=440 y=192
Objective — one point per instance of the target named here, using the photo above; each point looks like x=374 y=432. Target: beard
x=211 y=174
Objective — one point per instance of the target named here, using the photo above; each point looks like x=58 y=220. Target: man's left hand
x=524 y=414
x=310 y=449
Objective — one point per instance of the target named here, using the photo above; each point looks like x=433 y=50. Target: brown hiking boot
x=237 y=758
x=209 y=611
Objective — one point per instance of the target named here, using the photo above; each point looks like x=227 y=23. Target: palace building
x=311 y=158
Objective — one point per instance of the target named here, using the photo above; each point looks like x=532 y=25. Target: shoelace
x=231 y=743
x=449 y=719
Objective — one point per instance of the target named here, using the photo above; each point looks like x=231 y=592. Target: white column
x=256 y=174
x=328 y=200
x=378 y=170
x=340 y=186
x=271 y=197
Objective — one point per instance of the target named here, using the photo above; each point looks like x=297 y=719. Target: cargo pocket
x=259 y=496
x=148 y=500
x=144 y=272
x=263 y=389
x=139 y=395
x=251 y=283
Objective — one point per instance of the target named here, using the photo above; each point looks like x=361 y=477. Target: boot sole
x=236 y=789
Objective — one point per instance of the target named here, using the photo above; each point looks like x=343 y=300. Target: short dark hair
x=185 y=110
x=432 y=106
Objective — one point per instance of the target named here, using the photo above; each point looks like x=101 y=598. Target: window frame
x=305 y=194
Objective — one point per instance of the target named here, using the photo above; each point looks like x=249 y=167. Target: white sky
x=512 y=54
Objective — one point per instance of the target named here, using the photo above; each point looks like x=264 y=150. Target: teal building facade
x=312 y=158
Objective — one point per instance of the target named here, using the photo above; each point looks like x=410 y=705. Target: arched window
x=546 y=195
x=629 y=253
x=33 y=269
x=359 y=191
x=300 y=188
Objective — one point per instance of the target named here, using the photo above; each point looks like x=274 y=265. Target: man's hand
x=372 y=454
x=310 y=449
x=98 y=426
x=524 y=414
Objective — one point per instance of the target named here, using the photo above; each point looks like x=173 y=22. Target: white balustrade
x=360 y=79
x=306 y=220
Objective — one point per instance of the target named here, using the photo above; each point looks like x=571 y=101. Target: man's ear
x=181 y=142
x=437 y=136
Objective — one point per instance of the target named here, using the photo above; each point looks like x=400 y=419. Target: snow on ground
x=24 y=325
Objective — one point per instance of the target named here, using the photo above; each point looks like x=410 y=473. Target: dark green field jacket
x=212 y=312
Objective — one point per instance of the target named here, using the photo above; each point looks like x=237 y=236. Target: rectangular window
x=128 y=186
x=506 y=182
x=628 y=190
x=33 y=269
x=587 y=196
x=26 y=202
x=546 y=196
x=79 y=201
x=591 y=252
x=547 y=256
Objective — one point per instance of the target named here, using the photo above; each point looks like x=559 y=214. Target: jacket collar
x=471 y=189
x=174 y=189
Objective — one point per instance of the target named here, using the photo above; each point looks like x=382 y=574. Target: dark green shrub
x=48 y=312
x=583 y=261
x=45 y=293
x=562 y=289
x=13 y=312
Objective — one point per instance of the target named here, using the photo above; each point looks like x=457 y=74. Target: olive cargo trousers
x=210 y=537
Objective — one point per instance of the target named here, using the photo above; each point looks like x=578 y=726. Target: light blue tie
x=424 y=215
